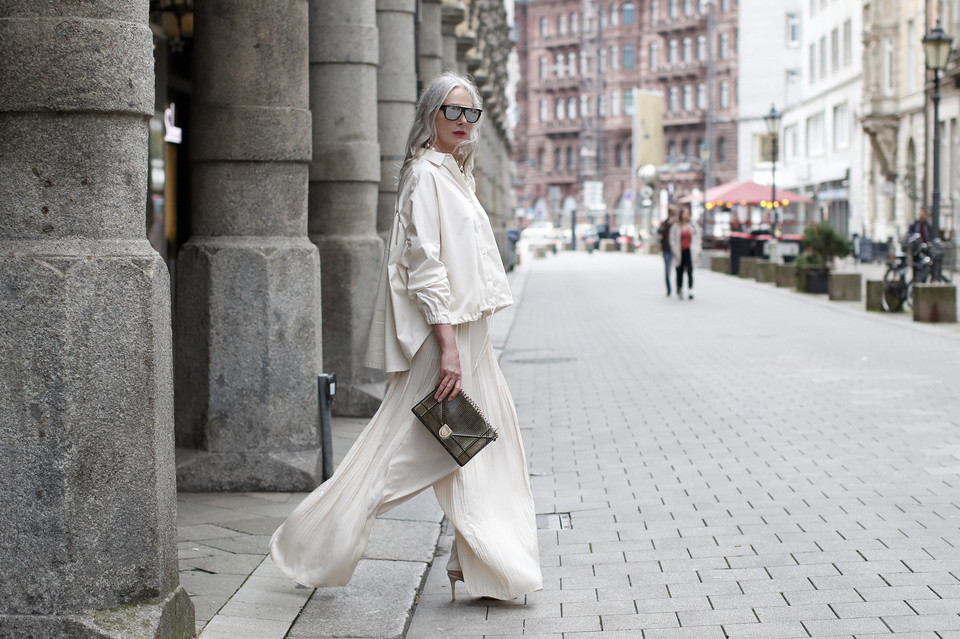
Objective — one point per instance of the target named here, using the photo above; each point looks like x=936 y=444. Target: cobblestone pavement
x=754 y=463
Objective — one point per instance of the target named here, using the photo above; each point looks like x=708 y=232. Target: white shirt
x=441 y=264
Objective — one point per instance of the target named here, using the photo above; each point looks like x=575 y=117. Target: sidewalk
x=753 y=463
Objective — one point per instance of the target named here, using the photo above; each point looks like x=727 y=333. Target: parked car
x=587 y=236
x=541 y=234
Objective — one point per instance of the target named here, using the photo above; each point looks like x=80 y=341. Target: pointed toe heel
x=454 y=576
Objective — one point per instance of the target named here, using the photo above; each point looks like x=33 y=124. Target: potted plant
x=821 y=244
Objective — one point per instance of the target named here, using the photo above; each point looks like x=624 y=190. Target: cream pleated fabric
x=488 y=501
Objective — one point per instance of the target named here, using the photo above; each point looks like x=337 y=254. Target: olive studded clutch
x=457 y=424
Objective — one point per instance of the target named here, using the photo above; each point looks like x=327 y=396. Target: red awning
x=743 y=193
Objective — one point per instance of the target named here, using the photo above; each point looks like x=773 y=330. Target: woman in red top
x=685 y=249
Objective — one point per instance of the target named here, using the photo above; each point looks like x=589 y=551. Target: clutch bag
x=457 y=424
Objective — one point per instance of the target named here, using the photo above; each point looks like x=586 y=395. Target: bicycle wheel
x=894 y=290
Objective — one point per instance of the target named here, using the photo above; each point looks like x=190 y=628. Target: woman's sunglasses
x=453 y=113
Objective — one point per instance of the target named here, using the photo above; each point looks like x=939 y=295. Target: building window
x=674 y=104
x=543 y=67
x=614 y=56
x=570 y=158
x=557 y=160
x=572 y=63
x=572 y=108
x=841 y=127
x=653 y=55
x=628 y=13
x=614 y=103
x=724 y=5
x=793 y=29
x=721 y=150
x=823 y=57
x=792 y=86
x=702 y=48
x=702 y=7
x=583 y=63
x=815 y=134
x=561 y=25
x=848 y=43
x=602 y=61
x=688 y=97
x=701 y=96
x=835 y=50
x=629 y=56
x=584 y=105
x=654 y=11
x=601 y=106
x=888 y=66
x=672 y=51
x=674 y=8
x=688 y=50
x=614 y=18
x=561 y=109
x=559 y=62
x=573 y=23
x=911 y=55
x=618 y=155
x=628 y=102
x=672 y=153
x=813 y=62
x=541 y=158
x=724 y=95
x=544 y=111
x=685 y=150
x=789 y=146
x=724 y=46
x=688 y=7
x=544 y=28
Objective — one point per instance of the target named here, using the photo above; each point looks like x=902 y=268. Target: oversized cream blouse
x=441 y=264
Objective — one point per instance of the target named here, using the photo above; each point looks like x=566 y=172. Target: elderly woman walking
x=441 y=281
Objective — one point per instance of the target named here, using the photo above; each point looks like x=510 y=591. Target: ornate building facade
x=581 y=61
x=263 y=140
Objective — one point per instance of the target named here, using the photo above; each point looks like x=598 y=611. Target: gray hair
x=423 y=133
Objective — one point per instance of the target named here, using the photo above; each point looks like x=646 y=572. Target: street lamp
x=772 y=121
x=705 y=165
x=936 y=51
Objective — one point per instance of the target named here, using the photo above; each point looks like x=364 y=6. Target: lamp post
x=772 y=121
x=705 y=165
x=936 y=51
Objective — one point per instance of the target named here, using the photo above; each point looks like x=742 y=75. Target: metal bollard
x=326 y=391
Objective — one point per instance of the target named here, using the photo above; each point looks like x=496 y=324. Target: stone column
x=397 y=97
x=248 y=294
x=431 y=40
x=344 y=183
x=452 y=14
x=86 y=385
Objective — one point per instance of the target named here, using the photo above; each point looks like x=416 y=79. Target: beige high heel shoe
x=454 y=576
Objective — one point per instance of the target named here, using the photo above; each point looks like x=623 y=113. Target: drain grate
x=554 y=521
x=543 y=360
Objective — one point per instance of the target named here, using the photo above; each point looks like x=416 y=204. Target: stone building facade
x=580 y=61
x=262 y=140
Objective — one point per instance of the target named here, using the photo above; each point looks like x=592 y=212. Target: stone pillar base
x=874 y=293
x=844 y=287
x=351 y=270
x=720 y=263
x=786 y=275
x=172 y=618
x=748 y=267
x=934 y=303
x=235 y=471
x=765 y=272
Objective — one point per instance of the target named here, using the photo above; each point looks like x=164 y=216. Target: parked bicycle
x=921 y=262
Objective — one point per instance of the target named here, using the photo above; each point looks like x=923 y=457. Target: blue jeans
x=666 y=268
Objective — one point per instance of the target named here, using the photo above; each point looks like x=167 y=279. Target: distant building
x=580 y=61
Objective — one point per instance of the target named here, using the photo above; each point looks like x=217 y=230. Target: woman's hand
x=448 y=381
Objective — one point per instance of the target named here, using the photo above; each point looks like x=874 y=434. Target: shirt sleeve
x=426 y=274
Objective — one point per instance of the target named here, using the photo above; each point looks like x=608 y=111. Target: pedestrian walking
x=664 y=233
x=685 y=249
x=441 y=280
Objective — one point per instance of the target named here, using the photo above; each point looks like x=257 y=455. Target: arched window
x=628 y=13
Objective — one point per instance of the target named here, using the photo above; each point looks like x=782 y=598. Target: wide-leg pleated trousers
x=488 y=501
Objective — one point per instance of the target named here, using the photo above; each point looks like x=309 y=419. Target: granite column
x=87 y=485
x=248 y=332
x=431 y=40
x=344 y=184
